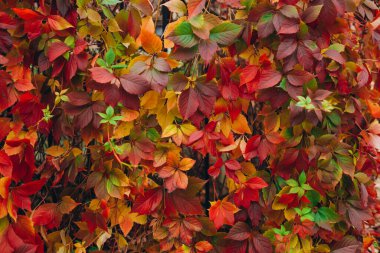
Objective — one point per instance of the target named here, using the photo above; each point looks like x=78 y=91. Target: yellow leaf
x=188 y=129
x=150 y=42
x=55 y=151
x=67 y=205
x=276 y=205
x=322 y=248
x=129 y=115
x=94 y=17
x=225 y=126
x=290 y=214
x=126 y=219
x=123 y=130
x=171 y=100
x=186 y=164
x=150 y=99
x=113 y=26
x=170 y=130
x=248 y=168
x=240 y=125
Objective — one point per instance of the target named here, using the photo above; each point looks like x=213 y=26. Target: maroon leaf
x=147 y=203
x=5 y=164
x=265 y=25
x=299 y=77
x=188 y=103
x=239 y=232
x=268 y=78
x=207 y=49
x=311 y=14
x=134 y=84
x=286 y=48
x=262 y=244
x=56 y=50
x=101 y=75
x=335 y=55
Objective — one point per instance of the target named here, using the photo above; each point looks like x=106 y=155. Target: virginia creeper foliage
x=229 y=126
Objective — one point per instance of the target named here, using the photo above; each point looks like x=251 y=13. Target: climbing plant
x=221 y=126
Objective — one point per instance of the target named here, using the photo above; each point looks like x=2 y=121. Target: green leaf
x=111 y=2
x=104 y=116
x=183 y=35
x=306 y=187
x=334 y=118
x=249 y=4
x=313 y=196
x=225 y=33
x=119 y=66
x=302 y=178
x=110 y=57
x=324 y=214
x=110 y=111
x=292 y=182
x=197 y=21
x=117 y=118
x=70 y=41
x=101 y=62
x=152 y=134
x=309 y=216
x=337 y=47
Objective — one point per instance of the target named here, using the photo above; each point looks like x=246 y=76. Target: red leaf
x=29 y=108
x=335 y=55
x=134 y=84
x=27 y=14
x=57 y=49
x=58 y=23
x=207 y=49
x=101 y=75
x=265 y=25
x=239 y=232
x=188 y=103
x=268 y=78
x=23 y=85
x=6 y=21
x=147 y=203
x=30 y=188
x=299 y=77
x=184 y=203
x=222 y=212
x=248 y=73
x=256 y=183
x=94 y=220
x=232 y=165
x=195 y=7
x=311 y=13
x=285 y=25
x=286 y=48
x=47 y=215
x=262 y=244
x=79 y=98
x=6 y=165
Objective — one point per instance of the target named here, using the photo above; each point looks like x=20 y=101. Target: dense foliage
x=247 y=126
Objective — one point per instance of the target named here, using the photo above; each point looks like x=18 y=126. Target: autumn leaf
x=195 y=7
x=222 y=212
x=173 y=173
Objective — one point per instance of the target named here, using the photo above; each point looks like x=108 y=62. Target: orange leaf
x=58 y=23
x=186 y=163
x=195 y=7
x=374 y=108
x=150 y=42
x=222 y=212
x=240 y=125
x=67 y=205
